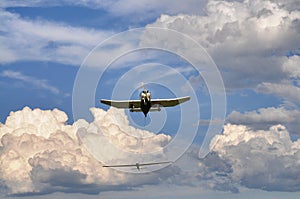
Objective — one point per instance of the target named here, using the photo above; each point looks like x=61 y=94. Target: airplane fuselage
x=145 y=102
x=145 y=106
x=137 y=166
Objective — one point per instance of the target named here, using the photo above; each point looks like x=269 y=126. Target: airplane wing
x=170 y=102
x=137 y=103
x=138 y=164
x=154 y=163
x=122 y=103
x=120 y=165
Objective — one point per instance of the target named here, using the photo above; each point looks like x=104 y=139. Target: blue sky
x=255 y=45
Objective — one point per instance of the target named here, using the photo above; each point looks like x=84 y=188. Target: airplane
x=137 y=165
x=145 y=104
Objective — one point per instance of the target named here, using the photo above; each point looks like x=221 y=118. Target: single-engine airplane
x=145 y=104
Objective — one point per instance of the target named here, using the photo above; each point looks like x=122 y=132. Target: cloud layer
x=25 y=39
x=41 y=154
x=264 y=118
x=41 y=40
x=122 y=7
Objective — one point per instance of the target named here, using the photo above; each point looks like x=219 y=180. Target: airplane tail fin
x=143 y=86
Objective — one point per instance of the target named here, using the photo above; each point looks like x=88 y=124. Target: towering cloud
x=40 y=153
x=262 y=159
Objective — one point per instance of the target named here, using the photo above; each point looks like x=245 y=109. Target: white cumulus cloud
x=261 y=159
x=40 y=153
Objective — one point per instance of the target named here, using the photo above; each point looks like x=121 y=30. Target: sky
x=237 y=137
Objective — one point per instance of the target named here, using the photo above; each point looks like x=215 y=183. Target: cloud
x=291 y=66
x=264 y=118
x=260 y=159
x=123 y=7
x=41 y=40
x=248 y=40
x=154 y=8
x=285 y=90
x=40 y=153
x=242 y=36
x=32 y=81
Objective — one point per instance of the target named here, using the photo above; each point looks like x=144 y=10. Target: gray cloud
x=285 y=90
x=266 y=117
x=248 y=40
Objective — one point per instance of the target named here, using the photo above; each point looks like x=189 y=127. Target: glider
x=137 y=165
